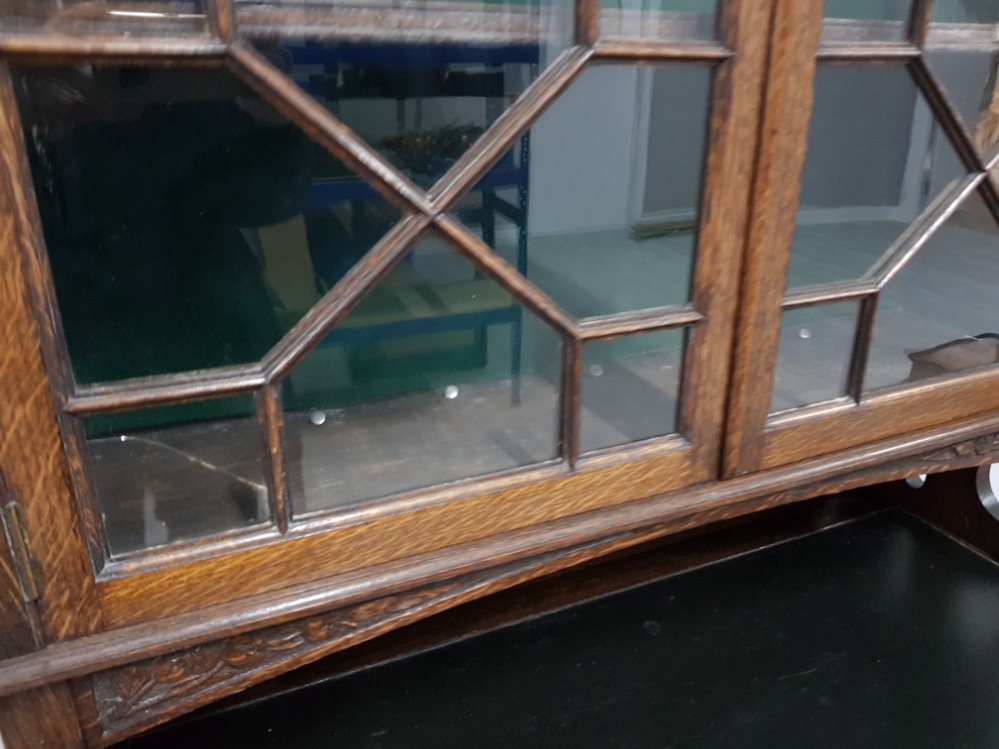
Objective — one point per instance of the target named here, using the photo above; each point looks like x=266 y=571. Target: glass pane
x=232 y=228
x=449 y=71
x=420 y=106
x=938 y=315
x=876 y=159
x=437 y=375
x=978 y=17
x=631 y=389
x=176 y=474
x=813 y=362
x=865 y=20
x=598 y=203
x=662 y=19
x=106 y=16
x=963 y=52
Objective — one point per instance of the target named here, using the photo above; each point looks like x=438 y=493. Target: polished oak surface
x=876 y=633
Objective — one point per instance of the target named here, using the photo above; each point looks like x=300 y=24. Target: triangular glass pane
x=436 y=375
x=598 y=205
x=661 y=19
x=422 y=99
x=188 y=224
x=876 y=159
x=112 y=17
x=938 y=315
x=849 y=21
x=963 y=52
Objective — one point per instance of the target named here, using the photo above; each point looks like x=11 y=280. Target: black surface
x=880 y=633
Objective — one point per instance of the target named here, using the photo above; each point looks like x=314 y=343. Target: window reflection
x=876 y=159
x=436 y=375
x=167 y=475
x=937 y=316
x=631 y=389
x=598 y=205
x=188 y=224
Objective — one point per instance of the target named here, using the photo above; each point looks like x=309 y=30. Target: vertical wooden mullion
x=920 y=15
x=221 y=19
x=862 y=346
x=570 y=400
x=586 y=21
x=270 y=421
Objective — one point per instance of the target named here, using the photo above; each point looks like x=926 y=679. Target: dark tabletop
x=880 y=633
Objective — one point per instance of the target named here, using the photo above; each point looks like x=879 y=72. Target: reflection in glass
x=598 y=203
x=421 y=103
x=813 y=361
x=938 y=315
x=963 y=53
x=188 y=224
x=631 y=389
x=662 y=19
x=865 y=20
x=102 y=16
x=177 y=474
x=437 y=375
x=876 y=159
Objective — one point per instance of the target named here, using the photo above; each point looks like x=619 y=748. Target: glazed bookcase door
x=322 y=287
x=872 y=314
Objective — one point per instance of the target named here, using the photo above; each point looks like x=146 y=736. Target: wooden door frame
x=480 y=512
x=759 y=441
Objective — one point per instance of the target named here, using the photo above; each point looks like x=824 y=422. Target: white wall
x=574 y=185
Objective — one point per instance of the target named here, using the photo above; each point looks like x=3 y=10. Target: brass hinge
x=10 y=515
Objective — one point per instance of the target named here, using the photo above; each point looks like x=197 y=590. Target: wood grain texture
x=787 y=107
x=900 y=411
x=734 y=130
x=270 y=421
x=40 y=718
x=644 y=321
x=164 y=390
x=57 y=48
x=659 y=50
x=31 y=451
x=413 y=530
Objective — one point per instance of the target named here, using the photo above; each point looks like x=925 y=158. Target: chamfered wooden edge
x=781 y=154
x=151 y=672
